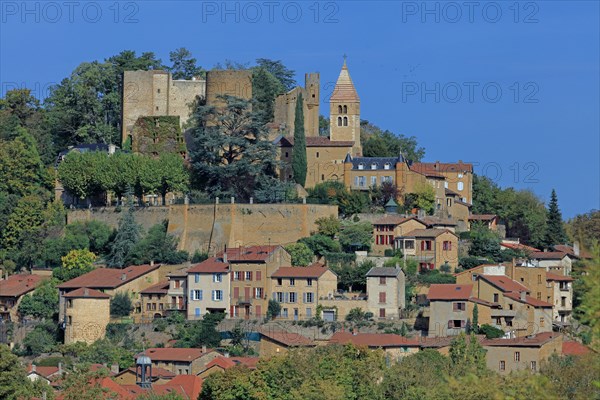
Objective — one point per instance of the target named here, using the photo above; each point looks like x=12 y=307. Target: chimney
x=114 y=368
x=203 y=349
x=523 y=295
x=576 y=248
x=225 y=255
x=60 y=370
x=232 y=200
x=33 y=369
x=226 y=354
x=86 y=292
x=123 y=276
x=152 y=263
x=354 y=332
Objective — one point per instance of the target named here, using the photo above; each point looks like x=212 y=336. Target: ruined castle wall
x=233 y=83
x=210 y=227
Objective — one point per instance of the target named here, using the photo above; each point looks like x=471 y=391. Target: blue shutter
x=274 y=296
x=199 y=294
x=196 y=278
x=192 y=295
x=304 y=297
x=214 y=295
x=197 y=312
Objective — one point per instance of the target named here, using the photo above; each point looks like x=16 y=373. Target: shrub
x=434 y=276
x=120 y=305
x=199 y=256
x=491 y=332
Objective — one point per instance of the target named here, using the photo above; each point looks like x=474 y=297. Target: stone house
x=86 y=314
x=155 y=301
x=12 y=290
x=177 y=291
x=386 y=229
x=386 y=292
x=181 y=361
x=490 y=221
x=273 y=343
x=431 y=248
x=299 y=289
x=208 y=286
x=558 y=262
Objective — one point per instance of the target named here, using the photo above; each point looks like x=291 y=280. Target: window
x=502 y=366
x=156 y=108
x=460 y=186
x=177 y=284
x=382 y=280
x=308 y=297
x=386 y=166
x=258 y=293
x=458 y=306
x=345 y=121
x=339 y=109
x=279 y=281
x=236 y=275
x=322 y=177
x=345 y=109
x=69 y=320
x=148 y=307
x=157 y=90
x=385 y=179
x=495 y=297
x=460 y=175
x=279 y=297
x=446 y=184
x=409 y=244
x=286 y=154
x=69 y=303
x=217 y=277
x=381 y=297
x=373 y=166
x=248 y=275
x=539 y=295
x=196 y=278
x=510 y=306
x=217 y=295
x=426 y=245
x=362 y=181
x=292 y=297
x=339 y=121
x=382 y=313
x=539 y=279
x=456 y=323
x=317 y=154
x=542 y=322
x=197 y=312
x=517 y=356
x=361 y=166
x=447 y=245
x=563 y=301
x=449 y=202
x=309 y=282
x=196 y=294
x=292 y=282
x=373 y=181
x=508 y=321
x=534 y=366
x=309 y=312
x=284 y=313
x=258 y=275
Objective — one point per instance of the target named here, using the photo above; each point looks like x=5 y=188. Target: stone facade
x=431 y=248
x=386 y=229
x=386 y=290
x=285 y=107
x=208 y=288
x=86 y=316
x=236 y=83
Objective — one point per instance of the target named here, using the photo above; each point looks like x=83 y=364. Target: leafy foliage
x=378 y=143
x=585 y=228
x=348 y=202
x=353 y=277
x=184 y=66
x=14 y=384
x=328 y=226
x=158 y=246
x=125 y=240
x=273 y=309
x=200 y=333
x=120 y=305
x=484 y=243
x=42 y=303
x=491 y=332
x=356 y=236
x=301 y=254
x=299 y=165
x=42 y=339
x=321 y=244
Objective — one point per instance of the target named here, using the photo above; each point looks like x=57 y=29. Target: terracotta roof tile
x=525 y=341
x=20 y=284
x=528 y=300
x=312 y=271
x=396 y=220
x=449 y=167
x=249 y=254
x=174 y=354
x=432 y=221
x=108 y=278
x=374 y=339
x=504 y=283
x=482 y=217
x=46 y=372
x=86 y=293
x=344 y=88
x=288 y=338
x=424 y=169
x=427 y=233
x=210 y=266
x=188 y=385
x=518 y=246
x=222 y=362
x=449 y=292
x=548 y=255
x=556 y=277
x=249 y=362
x=569 y=250
x=157 y=372
x=571 y=348
x=160 y=288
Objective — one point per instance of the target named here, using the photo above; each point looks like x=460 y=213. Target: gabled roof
x=108 y=278
x=518 y=246
x=548 y=255
x=316 y=141
x=157 y=372
x=378 y=162
x=430 y=233
x=524 y=341
x=20 y=284
x=222 y=362
x=314 y=270
x=424 y=169
x=383 y=271
x=174 y=354
x=160 y=288
x=86 y=293
x=344 y=88
x=449 y=167
x=532 y=301
x=374 y=340
x=211 y=265
x=396 y=220
x=572 y=348
x=46 y=372
x=288 y=339
x=249 y=362
x=559 y=278
x=570 y=251
x=449 y=292
x=249 y=254
x=504 y=283
x=482 y=217
x=433 y=221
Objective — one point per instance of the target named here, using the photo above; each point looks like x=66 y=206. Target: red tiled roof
x=249 y=362
x=374 y=339
x=312 y=271
x=423 y=169
x=108 y=278
x=395 y=220
x=317 y=141
x=449 y=167
x=525 y=341
x=288 y=339
x=556 y=277
x=160 y=288
x=569 y=250
x=430 y=221
x=548 y=255
x=528 y=300
x=20 y=284
x=482 y=217
x=427 y=233
x=46 y=372
x=86 y=293
x=174 y=354
x=518 y=246
x=157 y=372
x=249 y=254
x=571 y=348
x=449 y=292
x=187 y=385
x=483 y=302
x=210 y=266
x=504 y=283
x=222 y=362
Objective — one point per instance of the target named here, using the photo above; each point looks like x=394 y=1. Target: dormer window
x=373 y=166
x=361 y=166
x=386 y=166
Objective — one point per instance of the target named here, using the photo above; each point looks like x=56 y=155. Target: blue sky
x=514 y=89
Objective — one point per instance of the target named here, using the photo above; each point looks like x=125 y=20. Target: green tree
x=353 y=277
x=467 y=356
x=184 y=66
x=128 y=234
x=158 y=246
x=585 y=229
x=42 y=303
x=120 y=305
x=328 y=226
x=589 y=310
x=378 y=143
x=78 y=260
x=174 y=177
x=299 y=151
x=490 y=331
x=475 y=322
x=273 y=309
x=356 y=236
x=321 y=244
x=425 y=198
x=301 y=254
x=265 y=89
x=14 y=384
x=284 y=75
x=232 y=155
x=42 y=339
x=484 y=243
x=555 y=231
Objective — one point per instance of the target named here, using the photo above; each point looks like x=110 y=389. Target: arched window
x=339 y=109
x=339 y=121
x=345 y=109
x=345 y=121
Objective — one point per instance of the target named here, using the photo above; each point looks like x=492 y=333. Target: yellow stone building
x=86 y=314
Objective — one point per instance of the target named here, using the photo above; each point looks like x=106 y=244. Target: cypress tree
x=475 y=324
x=128 y=234
x=299 y=163
x=555 y=232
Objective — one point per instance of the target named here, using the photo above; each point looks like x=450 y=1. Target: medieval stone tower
x=344 y=112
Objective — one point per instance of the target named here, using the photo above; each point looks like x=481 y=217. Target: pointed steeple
x=344 y=88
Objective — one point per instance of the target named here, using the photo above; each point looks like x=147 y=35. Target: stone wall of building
x=211 y=227
x=87 y=320
x=225 y=82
